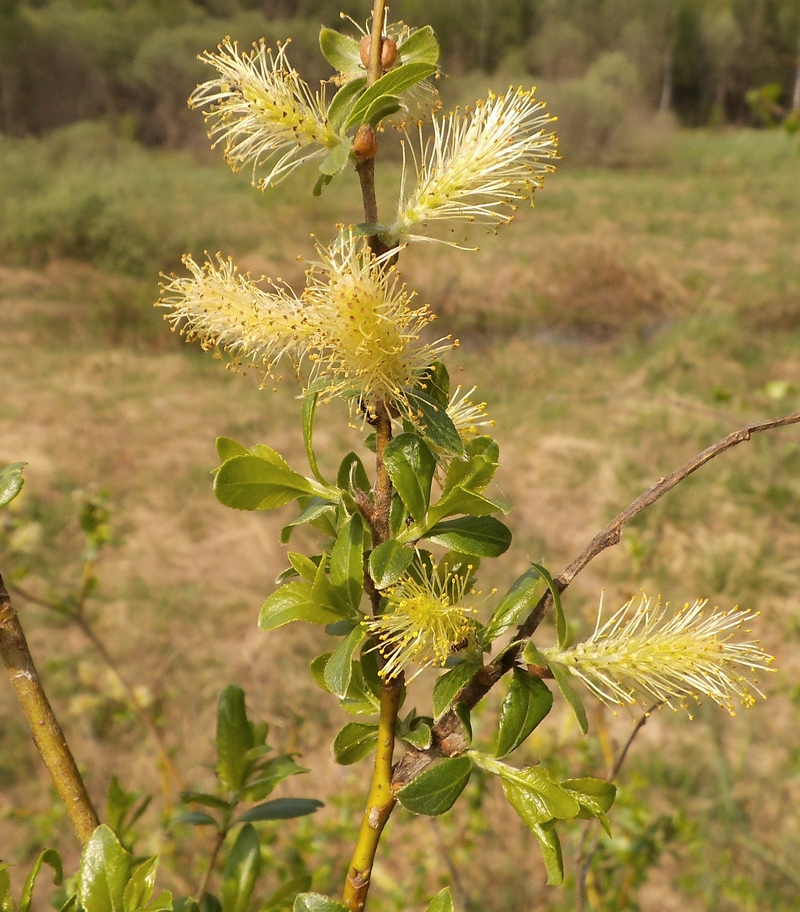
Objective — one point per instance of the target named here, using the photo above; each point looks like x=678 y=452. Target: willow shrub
x=406 y=523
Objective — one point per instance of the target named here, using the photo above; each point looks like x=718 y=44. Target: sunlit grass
x=631 y=319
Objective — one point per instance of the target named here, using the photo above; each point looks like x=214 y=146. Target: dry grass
x=629 y=321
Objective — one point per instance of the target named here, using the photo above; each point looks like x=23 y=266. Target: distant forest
x=135 y=61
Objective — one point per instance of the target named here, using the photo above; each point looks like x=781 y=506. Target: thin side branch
x=448 y=735
x=47 y=733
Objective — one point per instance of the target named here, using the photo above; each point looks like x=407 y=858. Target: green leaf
x=448 y=686
x=442 y=902
x=6 y=902
x=269 y=775
x=309 y=408
x=388 y=562
x=564 y=680
x=436 y=425
x=294 y=602
x=336 y=160
x=316 y=902
x=315 y=512
x=285 y=892
x=256 y=483
x=474 y=473
x=382 y=107
x=343 y=102
x=360 y=698
x=419 y=736
x=421 y=46
x=352 y=475
x=513 y=604
x=347 y=561
x=339 y=669
x=392 y=83
x=550 y=846
x=234 y=738
x=205 y=799
x=47 y=857
x=532 y=792
x=595 y=797
x=280 y=809
x=185 y=904
x=527 y=702
x=322 y=182
x=303 y=566
x=11 y=482
x=104 y=872
x=241 y=871
x=436 y=789
x=227 y=448
x=354 y=742
x=460 y=500
x=561 y=621
x=411 y=465
x=194 y=818
x=141 y=885
x=482 y=536
x=342 y=52
x=328 y=596
x=209 y=903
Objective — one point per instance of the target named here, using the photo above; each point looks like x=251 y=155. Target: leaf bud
x=365 y=145
x=388 y=52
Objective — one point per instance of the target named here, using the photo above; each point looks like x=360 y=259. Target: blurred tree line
x=135 y=61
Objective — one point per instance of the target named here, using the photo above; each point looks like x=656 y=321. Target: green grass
x=631 y=319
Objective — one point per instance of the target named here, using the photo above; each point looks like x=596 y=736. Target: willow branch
x=47 y=733
x=380 y=803
x=448 y=735
x=366 y=166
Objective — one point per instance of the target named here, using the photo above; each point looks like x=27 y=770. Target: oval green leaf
x=481 y=536
x=241 y=871
x=294 y=602
x=251 y=482
x=435 y=791
x=11 y=482
x=518 y=599
x=354 y=742
x=527 y=702
x=104 y=872
x=339 y=669
x=411 y=465
x=388 y=562
x=280 y=809
x=448 y=685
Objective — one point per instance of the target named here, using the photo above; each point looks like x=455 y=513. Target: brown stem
x=448 y=736
x=212 y=860
x=47 y=733
x=383 y=483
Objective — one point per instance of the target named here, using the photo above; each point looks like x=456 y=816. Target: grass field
x=631 y=319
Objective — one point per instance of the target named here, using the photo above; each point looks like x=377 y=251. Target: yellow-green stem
x=47 y=733
x=380 y=803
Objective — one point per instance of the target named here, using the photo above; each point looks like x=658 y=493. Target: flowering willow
x=353 y=323
x=640 y=652
x=260 y=107
x=478 y=165
x=425 y=620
